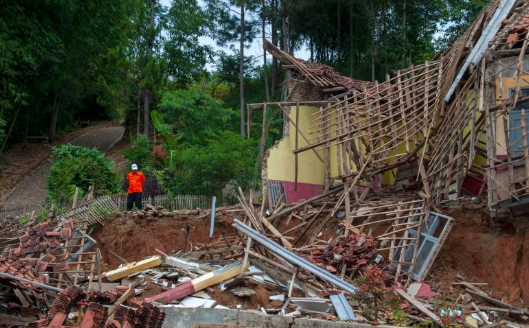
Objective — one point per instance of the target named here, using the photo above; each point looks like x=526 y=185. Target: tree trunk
x=373 y=36
x=405 y=29
x=351 y=49
x=53 y=118
x=27 y=128
x=265 y=70
x=339 y=30
x=10 y=129
x=138 y=121
x=241 y=71
x=147 y=92
x=273 y=19
x=146 y=113
x=284 y=33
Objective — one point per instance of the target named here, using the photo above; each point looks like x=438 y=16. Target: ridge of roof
x=319 y=74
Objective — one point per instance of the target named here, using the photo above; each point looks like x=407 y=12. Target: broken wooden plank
x=38 y=284
x=197 y=254
x=120 y=301
x=198 y=284
x=133 y=268
x=418 y=304
x=494 y=301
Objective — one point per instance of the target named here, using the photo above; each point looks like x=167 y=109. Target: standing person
x=136 y=180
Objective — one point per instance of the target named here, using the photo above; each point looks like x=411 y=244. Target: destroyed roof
x=319 y=74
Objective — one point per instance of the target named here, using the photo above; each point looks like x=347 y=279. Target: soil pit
x=478 y=248
x=135 y=239
x=487 y=250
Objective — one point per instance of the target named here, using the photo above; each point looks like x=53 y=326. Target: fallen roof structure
x=386 y=156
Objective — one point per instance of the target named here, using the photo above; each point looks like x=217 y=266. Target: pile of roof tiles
x=33 y=257
x=95 y=316
x=124 y=315
x=136 y=315
x=516 y=30
x=338 y=79
x=24 y=269
x=352 y=252
x=147 y=315
x=42 y=239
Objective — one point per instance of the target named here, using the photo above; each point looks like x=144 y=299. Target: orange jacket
x=136 y=181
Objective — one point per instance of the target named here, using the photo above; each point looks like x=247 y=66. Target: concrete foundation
x=223 y=318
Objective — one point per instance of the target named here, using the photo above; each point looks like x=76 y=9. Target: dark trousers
x=134 y=197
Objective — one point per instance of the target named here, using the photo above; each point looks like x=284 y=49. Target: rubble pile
x=67 y=308
x=352 y=252
x=327 y=275
x=151 y=212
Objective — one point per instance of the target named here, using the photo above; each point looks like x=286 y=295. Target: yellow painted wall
x=281 y=162
x=333 y=153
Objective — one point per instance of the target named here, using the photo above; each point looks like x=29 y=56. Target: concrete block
x=201 y=317
x=184 y=318
x=313 y=323
x=250 y=319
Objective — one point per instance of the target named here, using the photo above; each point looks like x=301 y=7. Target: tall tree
x=241 y=69
x=55 y=57
x=263 y=34
x=186 y=56
x=147 y=92
x=234 y=26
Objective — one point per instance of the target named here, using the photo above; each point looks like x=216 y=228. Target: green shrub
x=205 y=170
x=140 y=152
x=81 y=167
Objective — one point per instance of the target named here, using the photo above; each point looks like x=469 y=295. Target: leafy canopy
x=195 y=116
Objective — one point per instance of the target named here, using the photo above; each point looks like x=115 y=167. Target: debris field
x=398 y=161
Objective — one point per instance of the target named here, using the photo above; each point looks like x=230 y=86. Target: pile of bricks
x=352 y=252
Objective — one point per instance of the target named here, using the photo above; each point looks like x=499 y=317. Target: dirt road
x=33 y=190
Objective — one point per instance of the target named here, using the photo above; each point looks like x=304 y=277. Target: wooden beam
x=334 y=89
x=120 y=301
x=507 y=53
x=419 y=305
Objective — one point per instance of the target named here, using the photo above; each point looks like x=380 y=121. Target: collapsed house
x=358 y=184
x=400 y=149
